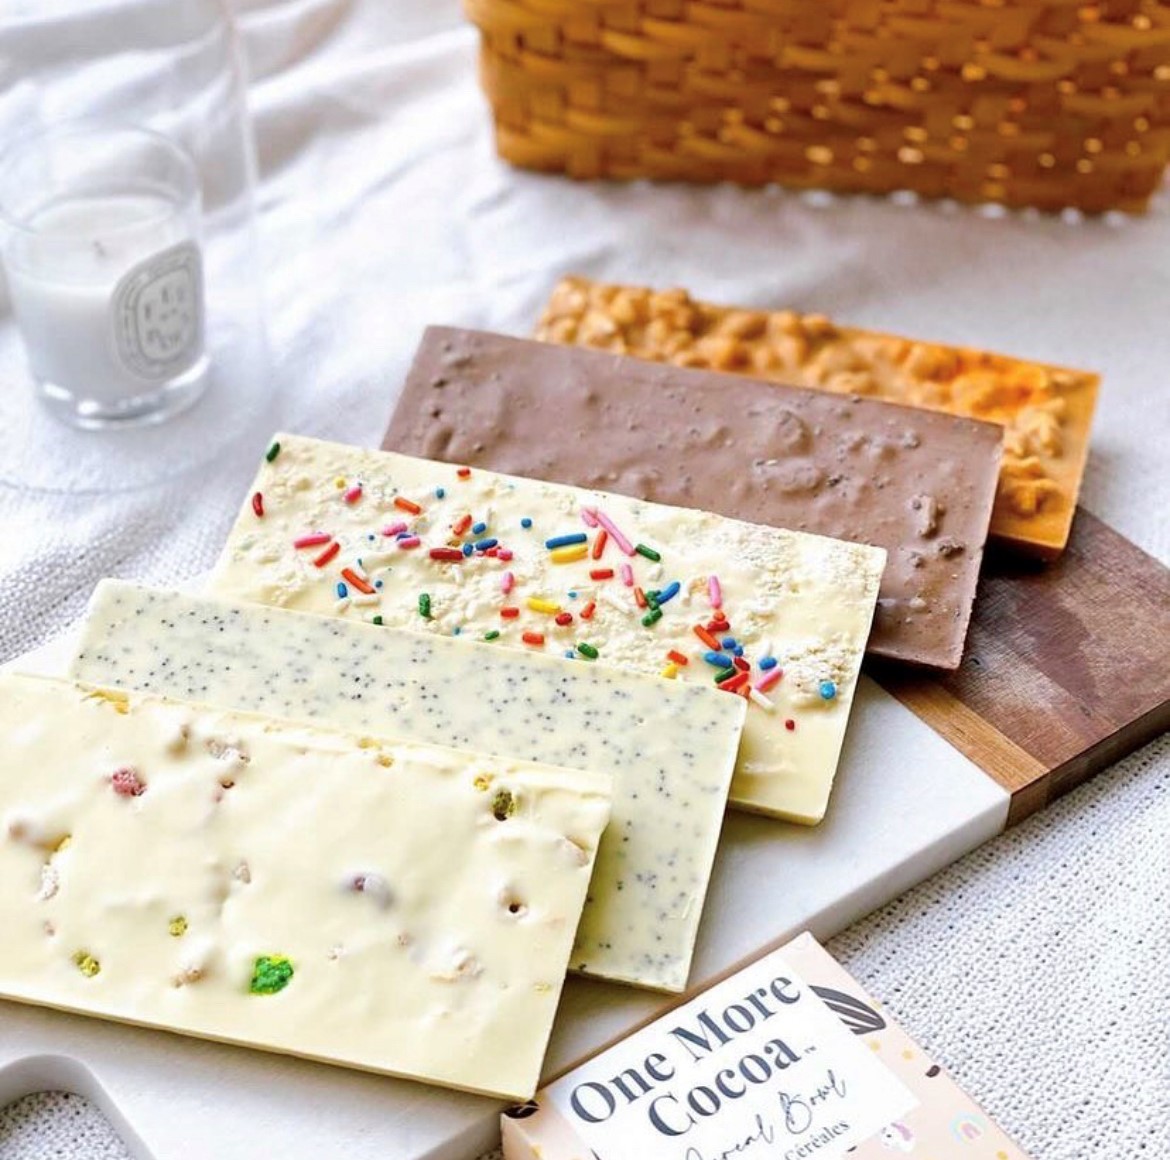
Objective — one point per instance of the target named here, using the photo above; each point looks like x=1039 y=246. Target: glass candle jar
x=163 y=272
x=105 y=272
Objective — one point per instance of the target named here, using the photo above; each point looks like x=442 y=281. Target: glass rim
x=93 y=127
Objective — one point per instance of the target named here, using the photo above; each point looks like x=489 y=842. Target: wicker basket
x=1050 y=103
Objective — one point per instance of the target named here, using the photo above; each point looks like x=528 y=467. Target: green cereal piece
x=87 y=964
x=270 y=974
x=503 y=804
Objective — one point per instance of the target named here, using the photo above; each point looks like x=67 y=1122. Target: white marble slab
x=905 y=805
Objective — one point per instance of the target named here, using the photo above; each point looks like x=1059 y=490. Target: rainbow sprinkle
x=714 y=591
x=312 y=540
x=769 y=679
x=705 y=636
x=587 y=650
x=357 y=582
x=272 y=452
x=649 y=553
x=406 y=505
x=353 y=495
x=507 y=583
x=623 y=544
x=258 y=505
x=536 y=604
x=566 y=540
x=569 y=554
x=328 y=554
x=424 y=605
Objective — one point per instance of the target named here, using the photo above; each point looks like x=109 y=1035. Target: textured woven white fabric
x=1036 y=968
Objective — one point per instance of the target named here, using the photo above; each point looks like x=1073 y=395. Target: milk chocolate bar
x=917 y=483
x=1045 y=410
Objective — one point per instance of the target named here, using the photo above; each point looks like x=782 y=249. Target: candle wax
x=107 y=294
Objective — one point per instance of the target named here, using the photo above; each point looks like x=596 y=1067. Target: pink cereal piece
x=127 y=783
x=627 y=575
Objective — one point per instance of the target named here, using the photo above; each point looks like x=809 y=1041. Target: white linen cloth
x=1036 y=968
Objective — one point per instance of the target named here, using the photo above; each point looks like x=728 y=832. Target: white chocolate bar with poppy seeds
x=404 y=909
x=777 y=616
x=670 y=747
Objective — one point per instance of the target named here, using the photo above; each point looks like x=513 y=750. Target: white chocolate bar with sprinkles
x=404 y=909
x=779 y=616
x=671 y=747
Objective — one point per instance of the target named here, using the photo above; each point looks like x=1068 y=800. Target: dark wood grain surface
x=1066 y=670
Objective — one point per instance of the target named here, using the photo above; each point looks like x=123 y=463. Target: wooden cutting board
x=1066 y=669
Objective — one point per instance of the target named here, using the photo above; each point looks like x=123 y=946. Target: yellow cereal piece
x=87 y=964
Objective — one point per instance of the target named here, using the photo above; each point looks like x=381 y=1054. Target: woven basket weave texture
x=1049 y=103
